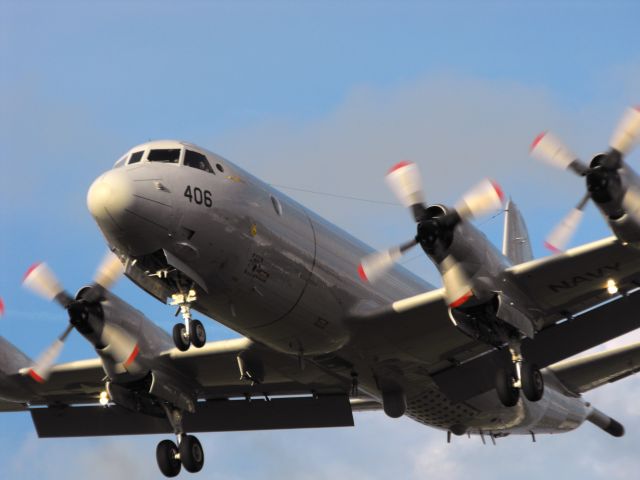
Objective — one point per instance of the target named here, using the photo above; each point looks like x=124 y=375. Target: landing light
x=612 y=288
x=104 y=398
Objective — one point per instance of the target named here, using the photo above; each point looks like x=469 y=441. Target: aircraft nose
x=109 y=196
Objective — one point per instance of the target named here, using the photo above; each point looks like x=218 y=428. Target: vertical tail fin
x=515 y=244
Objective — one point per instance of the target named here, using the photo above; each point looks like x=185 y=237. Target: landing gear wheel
x=179 y=337
x=507 y=393
x=166 y=454
x=191 y=454
x=532 y=382
x=198 y=334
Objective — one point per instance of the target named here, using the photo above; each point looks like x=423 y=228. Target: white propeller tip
x=627 y=133
x=548 y=148
x=404 y=179
x=109 y=271
x=40 y=279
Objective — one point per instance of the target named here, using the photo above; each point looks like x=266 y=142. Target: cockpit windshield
x=165 y=155
x=197 y=160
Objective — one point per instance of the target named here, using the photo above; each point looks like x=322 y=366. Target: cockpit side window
x=135 y=157
x=197 y=160
x=164 y=155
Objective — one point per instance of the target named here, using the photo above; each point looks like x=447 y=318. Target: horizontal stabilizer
x=591 y=371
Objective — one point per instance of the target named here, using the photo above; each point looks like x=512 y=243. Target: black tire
x=197 y=333
x=166 y=452
x=507 y=393
x=532 y=382
x=191 y=454
x=179 y=339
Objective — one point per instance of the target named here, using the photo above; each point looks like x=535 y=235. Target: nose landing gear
x=187 y=453
x=191 y=332
x=520 y=375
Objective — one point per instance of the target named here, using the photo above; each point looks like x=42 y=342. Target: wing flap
x=210 y=416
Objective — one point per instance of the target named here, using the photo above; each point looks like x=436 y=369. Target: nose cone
x=110 y=196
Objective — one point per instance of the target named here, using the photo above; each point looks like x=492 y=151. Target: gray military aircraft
x=329 y=326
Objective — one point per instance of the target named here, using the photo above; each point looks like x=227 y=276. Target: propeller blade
x=549 y=149
x=631 y=203
x=373 y=266
x=485 y=198
x=561 y=235
x=41 y=280
x=119 y=345
x=109 y=271
x=1 y=307
x=405 y=182
x=627 y=133
x=41 y=370
x=457 y=286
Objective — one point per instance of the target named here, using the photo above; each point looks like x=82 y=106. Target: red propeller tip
x=498 y=190
x=1 y=307
x=461 y=300
x=537 y=140
x=398 y=166
x=30 y=270
x=361 y=274
x=637 y=108
x=554 y=249
x=35 y=376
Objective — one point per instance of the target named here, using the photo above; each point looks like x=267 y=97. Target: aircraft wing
x=576 y=280
x=288 y=397
x=586 y=373
x=564 y=287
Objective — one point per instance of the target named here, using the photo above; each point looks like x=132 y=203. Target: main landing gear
x=519 y=375
x=186 y=453
x=191 y=332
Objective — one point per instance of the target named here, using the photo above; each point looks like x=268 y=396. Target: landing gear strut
x=519 y=375
x=186 y=453
x=191 y=332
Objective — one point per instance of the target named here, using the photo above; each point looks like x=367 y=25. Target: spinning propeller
x=435 y=229
x=41 y=280
x=605 y=184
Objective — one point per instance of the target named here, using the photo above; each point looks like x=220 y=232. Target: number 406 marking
x=198 y=196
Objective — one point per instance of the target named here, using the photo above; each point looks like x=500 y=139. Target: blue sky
x=313 y=95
